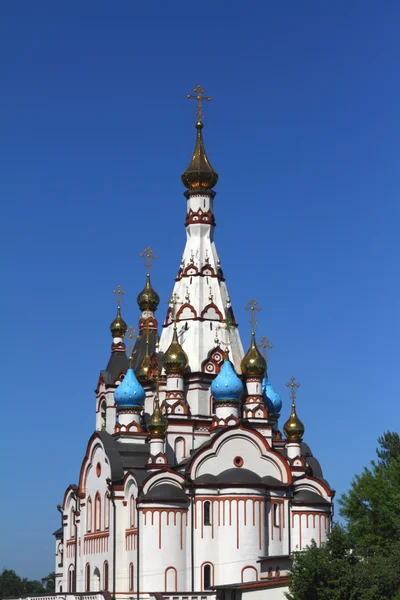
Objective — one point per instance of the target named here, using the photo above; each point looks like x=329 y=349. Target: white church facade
x=188 y=486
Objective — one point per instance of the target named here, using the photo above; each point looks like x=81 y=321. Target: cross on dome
x=119 y=292
x=265 y=344
x=148 y=256
x=293 y=385
x=200 y=98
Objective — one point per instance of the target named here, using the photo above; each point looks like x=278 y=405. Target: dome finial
x=118 y=327
x=148 y=299
x=199 y=173
x=253 y=364
x=293 y=428
x=175 y=358
x=145 y=369
x=158 y=424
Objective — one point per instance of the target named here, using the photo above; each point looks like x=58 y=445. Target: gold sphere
x=199 y=173
x=293 y=428
x=175 y=358
x=158 y=424
x=254 y=364
x=144 y=372
x=148 y=299
x=118 y=327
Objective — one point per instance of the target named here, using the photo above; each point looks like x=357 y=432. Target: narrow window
x=179 y=449
x=207 y=577
x=103 y=413
x=88 y=577
x=97 y=512
x=89 y=515
x=71 y=580
x=276 y=514
x=106 y=512
x=105 y=576
x=132 y=511
x=207 y=513
x=131 y=577
x=60 y=590
x=72 y=524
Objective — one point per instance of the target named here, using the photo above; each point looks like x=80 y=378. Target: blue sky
x=304 y=131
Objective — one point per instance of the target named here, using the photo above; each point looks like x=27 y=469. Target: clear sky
x=304 y=131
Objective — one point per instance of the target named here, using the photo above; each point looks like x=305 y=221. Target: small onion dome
x=272 y=400
x=158 y=424
x=199 y=174
x=227 y=385
x=175 y=358
x=254 y=364
x=293 y=428
x=129 y=392
x=118 y=327
x=148 y=299
x=143 y=373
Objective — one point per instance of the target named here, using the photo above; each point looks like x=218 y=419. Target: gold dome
x=118 y=327
x=158 y=424
x=199 y=174
x=254 y=364
x=148 y=299
x=293 y=428
x=175 y=358
x=144 y=372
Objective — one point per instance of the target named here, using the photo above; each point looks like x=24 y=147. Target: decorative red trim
x=199 y=217
x=166 y=576
x=209 y=306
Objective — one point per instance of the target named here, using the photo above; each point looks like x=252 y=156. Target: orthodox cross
x=200 y=98
x=187 y=296
x=265 y=345
x=148 y=256
x=253 y=308
x=293 y=385
x=119 y=292
x=174 y=301
x=131 y=334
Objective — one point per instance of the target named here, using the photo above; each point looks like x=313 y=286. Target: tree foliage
x=11 y=585
x=360 y=560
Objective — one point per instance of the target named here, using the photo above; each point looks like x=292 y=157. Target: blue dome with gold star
x=129 y=392
x=272 y=400
x=227 y=385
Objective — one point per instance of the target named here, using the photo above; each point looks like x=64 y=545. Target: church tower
x=188 y=487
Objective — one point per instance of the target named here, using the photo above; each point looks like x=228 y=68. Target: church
x=190 y=486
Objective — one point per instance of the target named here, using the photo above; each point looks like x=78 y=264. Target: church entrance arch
x=96 y=580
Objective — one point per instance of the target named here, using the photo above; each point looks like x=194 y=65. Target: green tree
x=360 y=560
x=12 y=585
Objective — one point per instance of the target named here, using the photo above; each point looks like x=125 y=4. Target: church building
x=190 y=486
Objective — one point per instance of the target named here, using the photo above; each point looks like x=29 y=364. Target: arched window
x=106 y=511
x=60 y=590
x=97 y=512
x=71 y=579
x=72 y=523
x=206 y=577
x=105 y=576
x=89 y=515
x=87 y=578
x=179 y=447
x=207 y=513
x=276 y=514
x=132 y=511
x=131 y=575
x=96 y=580
x=171 y=580
x=103 y=415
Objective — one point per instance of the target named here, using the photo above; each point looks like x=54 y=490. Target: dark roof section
x=125 y=457
x=237 y=476
x=165 y=492
x=117 y=364
x=139 y=349
x=315 y=469
x=59 y=533
x=309 y=497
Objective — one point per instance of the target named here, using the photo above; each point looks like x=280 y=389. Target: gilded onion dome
x=118 y=327
x=158 y=424
x=148 y=299
x=199 y=173
x=175 y=358
x=145 y=367
x=253 y=363
x=293 y=428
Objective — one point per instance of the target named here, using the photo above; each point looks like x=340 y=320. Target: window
x=103 y=415
x=132 y=511
x=97 y=512
x=179 y=449
x=206 y=577
x=87 y=576
x=106 y=511
x=276 y=514
x=207 y=513
x=89 y=515
x=131 y=577
x=72 y=523
x=71 y=579
x=105 y=576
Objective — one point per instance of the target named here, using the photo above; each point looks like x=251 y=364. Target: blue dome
x=129 y=392
x=227 y=385
x=272 y=400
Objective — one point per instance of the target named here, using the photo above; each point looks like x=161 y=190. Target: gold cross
x=293 y=385
x=131 y=334
x=265 y=345
x=119 y=292
x=253 y=308
x=174 y=301
x=200 y=98
x=148 y=256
